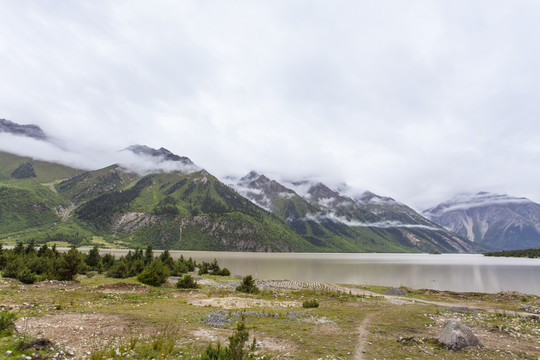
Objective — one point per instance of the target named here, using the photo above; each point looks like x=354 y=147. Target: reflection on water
x=441 y=272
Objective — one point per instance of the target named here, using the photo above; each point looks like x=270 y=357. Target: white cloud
x=470 y=201
x=415 y=100
x=353 y=223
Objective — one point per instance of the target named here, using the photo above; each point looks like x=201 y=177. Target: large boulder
x=455 y=336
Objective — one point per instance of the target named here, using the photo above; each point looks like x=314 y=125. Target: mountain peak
x=161 y=153
x=31 y=130
x=249 y=177
x=495 y=221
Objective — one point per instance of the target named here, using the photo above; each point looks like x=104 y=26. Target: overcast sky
x=417 y=100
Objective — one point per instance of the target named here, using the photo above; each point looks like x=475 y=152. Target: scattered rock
x=456 y=336
x=123 y=288
x=510 y=295
x=530 y=309
x=396 y=292
x=222 y=318
x=56 y=284
x=461 y=309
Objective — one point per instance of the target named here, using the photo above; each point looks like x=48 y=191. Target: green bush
x=119 y=270
x=154 y=274
x=93 y=258
x=237 y=349
x=11 y=270
x=310 y=303
x=7 y=319
x=248 y=286
x=69 y=264
x=223 y=272
x=187 y=282
x=26 y=276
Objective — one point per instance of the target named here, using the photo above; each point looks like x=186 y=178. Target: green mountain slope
x=45 y=172
x=175 y=210
x=29 y=204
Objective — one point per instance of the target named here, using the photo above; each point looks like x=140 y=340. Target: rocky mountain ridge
x=321 y=213
x=494 y=221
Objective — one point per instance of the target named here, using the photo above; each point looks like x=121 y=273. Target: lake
x=456 y=272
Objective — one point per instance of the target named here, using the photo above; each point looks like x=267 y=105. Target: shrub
x=93 y=258
x=26 y=276
x=154 y=274
x=187 y=282
x=136 y=267
x=7 y=319
x=40 y=265
x=108 y=261
x=69 y=264
x=180 y=268
x=248 y=286
x=203 y=268
x=223 y=272
x=310 y=303
x=237 y=349
x=13 y=264
x=119 y=270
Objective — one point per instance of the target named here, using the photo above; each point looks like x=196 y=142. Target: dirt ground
x=351 y=322
x=242 y=303
x=80 y=333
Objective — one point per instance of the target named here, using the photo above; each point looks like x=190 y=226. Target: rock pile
x=395 y=291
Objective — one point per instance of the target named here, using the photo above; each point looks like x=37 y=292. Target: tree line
x=29 y=265
x=528 y=253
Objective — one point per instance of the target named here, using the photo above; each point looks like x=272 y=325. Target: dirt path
x=362 y=337
x=402 y=300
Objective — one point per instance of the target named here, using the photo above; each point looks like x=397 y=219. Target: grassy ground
x=103 y=318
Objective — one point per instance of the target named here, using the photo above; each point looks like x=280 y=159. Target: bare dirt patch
x=123 y=288
x=242 y=303
x=79 y=333
x=212 y=335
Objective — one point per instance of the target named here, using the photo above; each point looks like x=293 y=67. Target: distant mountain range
x=493 y=221
x=367 y=221
x=176 y=204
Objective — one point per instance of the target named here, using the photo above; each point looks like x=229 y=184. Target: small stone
x=9 y=352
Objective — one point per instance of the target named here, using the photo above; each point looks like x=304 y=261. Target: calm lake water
x=441 y=272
